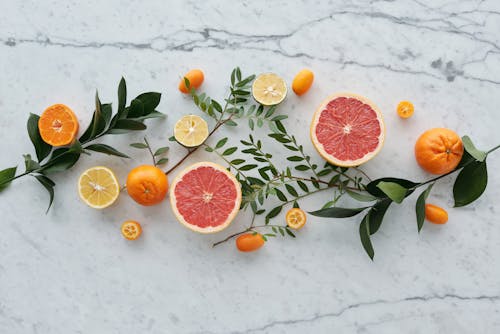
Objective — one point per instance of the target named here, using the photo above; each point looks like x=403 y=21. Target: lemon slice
x=269 y=89
x=191 y=131
x=98 y=187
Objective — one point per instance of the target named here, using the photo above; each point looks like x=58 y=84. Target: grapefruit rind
x=319 y=146
x=210 y=229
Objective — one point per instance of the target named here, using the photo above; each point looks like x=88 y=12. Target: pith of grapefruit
x=347 y=130
x=205 y=197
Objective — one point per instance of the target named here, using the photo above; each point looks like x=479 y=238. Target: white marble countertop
x=70 y=271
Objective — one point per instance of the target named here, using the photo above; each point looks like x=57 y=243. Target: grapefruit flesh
x=347 y=130
x=205 y=197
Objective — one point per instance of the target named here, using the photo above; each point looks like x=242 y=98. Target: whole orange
x=439 y=150
x=249 y=242
x=147 y=185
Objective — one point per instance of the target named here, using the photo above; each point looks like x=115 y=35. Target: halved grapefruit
x=347 y=130
x=205 y=197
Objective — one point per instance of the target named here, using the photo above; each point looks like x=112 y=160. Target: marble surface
x=70 y=271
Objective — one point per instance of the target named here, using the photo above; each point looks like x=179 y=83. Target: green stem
x=493 y=149
x=150 y=151
x=227 y=161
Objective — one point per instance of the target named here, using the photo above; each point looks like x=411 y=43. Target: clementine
x=439 y=150
x=147 y=185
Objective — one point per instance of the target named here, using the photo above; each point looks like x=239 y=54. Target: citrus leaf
x=61 y=160
x=248 y=167
x=472 y=150
x=291 y=190
x=470 y=183
x=49 y=186
x=393 y=190
x=336 y=212
x=150 y=101
x=377 y=213
x=364 y=235
x=360 y=197
x=377 y=192
x=290 y=233
x=295 y=158
x=126 y=125
x=106 y=112
x=154 y=114
x=420 y=206
x=102 y=148
x=42 y=149
x=6 y=176
x=136 y=109
x=30 y=164
x=99 y=122
x=303 y=186
x=273 y=213
x=122 y=98
x=229 y=151
x=280 y=195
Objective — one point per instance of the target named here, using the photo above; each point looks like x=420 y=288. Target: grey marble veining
x=70 y=271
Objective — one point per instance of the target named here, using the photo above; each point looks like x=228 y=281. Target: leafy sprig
x=51 y=160
x=158 y=156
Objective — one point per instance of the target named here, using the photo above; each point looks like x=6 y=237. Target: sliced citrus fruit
x=58 y=125
x=295 y=218
x=269 y=89
x=405 y=109
x=98 y=187
x=131 y=230
x=147 y=185
x=347 y=130
x=205 y=197
x=191 y=130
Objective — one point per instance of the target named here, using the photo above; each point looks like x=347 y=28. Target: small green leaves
x=337 y=212
x=229 y=151
x=126 y=125
x=470 y=183
x=472 y=150
x=161 y=151
x=377 y=213
x=139 y=145
x=122 y=98
x=364 y=235
x=374 y=190
x=273 y=213
x=393 y=190
x=42 y=149
x=49 y=185
x=30 y=164
x=420 y=206
x=6 y=176
x=61 y=160
x=221 y=143
x=106 y=149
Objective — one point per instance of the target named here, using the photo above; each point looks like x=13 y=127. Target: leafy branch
x=158 y=153
x=51 y=160
x=469 y=185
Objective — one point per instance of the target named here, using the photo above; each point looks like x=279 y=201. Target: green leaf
x=291 y=190
x=150 y=101
x=470 y=183
x=106 y=149
x=245 y=81
x=136 y=109
x=279 y=118
x=251 y=123
x=336 y=212
x=290 y=233
x=302 y=167
x=30 y=164
x=230 y=122
x=209 y=149
x=216 y=105
x=273 y=213
x=162 y=161
x=42 y=149
x=248 y=167
x=303 y=186
x=360 y=197
x=61 y=160
x=238 y=74
x=154 y=114
x=6 y=176
x=99 y=122
x=106 y=112
x=393 y=190
x=472 y=150
x=377 y=192
x=139 y=145
x=280 y=126
x=377 y=213
x=420 y=207
x=364 y=234
x=280 y=195
x=127 y=125
x=161 y=150
x=295 y=158
x=229 y=151
x=237 y=161
x=221 y=143
x=49 y=186
x=122 y=98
